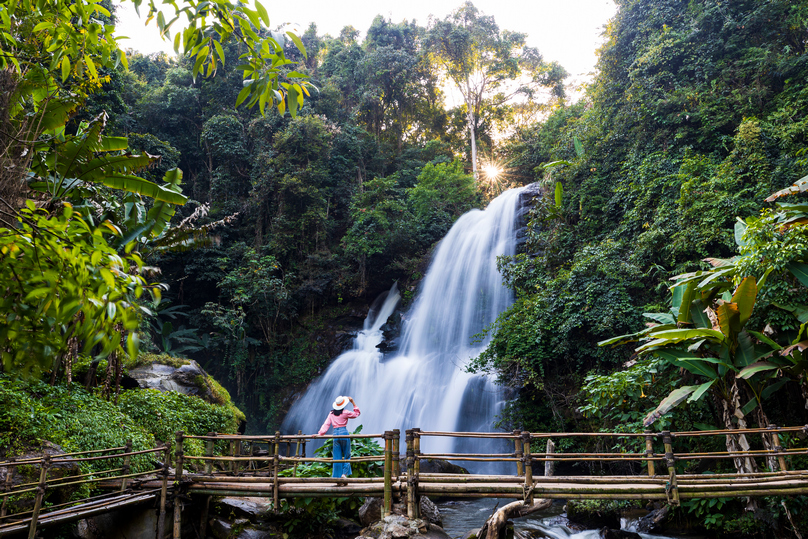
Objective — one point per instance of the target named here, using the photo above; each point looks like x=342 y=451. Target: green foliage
x=87 y=293
x=443 y=193
x=165 y=413
x=70 y=417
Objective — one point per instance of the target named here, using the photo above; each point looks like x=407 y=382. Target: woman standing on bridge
x=338 y=418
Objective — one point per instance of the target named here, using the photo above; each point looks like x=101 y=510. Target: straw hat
x=340 y=403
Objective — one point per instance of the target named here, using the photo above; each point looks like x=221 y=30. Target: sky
x=566 y=31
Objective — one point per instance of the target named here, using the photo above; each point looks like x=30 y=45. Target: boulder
x=220 y=529
x=188 y=378
x=29 y=473
x=440 y=466
x=430 y=512
x=400 y=527
x=346 y=529
x=246 y=507
x=371 y=511
x=594 y=514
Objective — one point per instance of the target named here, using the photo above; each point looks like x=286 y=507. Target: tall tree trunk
x=473 y=136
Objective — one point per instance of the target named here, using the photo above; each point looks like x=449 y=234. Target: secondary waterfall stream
x=424 y=383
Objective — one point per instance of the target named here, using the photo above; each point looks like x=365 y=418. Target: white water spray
x=424 y=384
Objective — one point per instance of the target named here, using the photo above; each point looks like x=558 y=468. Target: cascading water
x=424 y=383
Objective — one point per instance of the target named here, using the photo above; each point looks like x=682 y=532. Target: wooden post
x=297 y=452
x=232 y=454
x=161 y=521
x=528 y=468
x=203 y=526
x=649 y=452
x=517 y=444
x=237 y=463
x=7 y=486
x=276 y=500
x=178 y=458
x=251 y=463
x=549 y=465
x=776 y=443
x=388 y=473
x=40 y=494
x=416 y=464
x=396 y=453
x=670 y=462
x=408 y=438
x=209 y=453
x=127 y=461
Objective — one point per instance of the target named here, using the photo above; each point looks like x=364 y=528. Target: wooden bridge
x=266 y=466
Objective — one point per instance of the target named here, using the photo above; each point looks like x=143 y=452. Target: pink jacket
x=338 y=421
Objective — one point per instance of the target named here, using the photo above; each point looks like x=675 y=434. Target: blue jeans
x=342 y=451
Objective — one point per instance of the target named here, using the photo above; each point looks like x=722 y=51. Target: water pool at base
x=461 y=516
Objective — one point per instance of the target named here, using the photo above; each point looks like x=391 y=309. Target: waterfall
x=424 y=383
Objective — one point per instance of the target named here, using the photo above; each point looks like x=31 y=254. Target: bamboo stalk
x=528 y=486
x=161 y=520
x=179 y=457
x=781 y=461
x=276 y=501
x=396 y=453
x=388 y=474
x=209 y=453
x=126 y=464
x=416 y=470
x=670 y=462
x=649 y=452
x=408 y=437
x=40 y=494
x=549 y=465
x=517 y=442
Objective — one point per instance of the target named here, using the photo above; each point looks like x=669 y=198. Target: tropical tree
x=68 y=288
x=488 y=66
x=705 y=332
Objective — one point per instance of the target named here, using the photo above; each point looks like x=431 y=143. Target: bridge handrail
x=266 y=438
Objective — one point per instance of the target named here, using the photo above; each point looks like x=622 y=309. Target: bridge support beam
x=528 y=468
x=161 y=520
x=179 y=454
x=672 y=488
x=276 y=468
x=388 y=473
x=40 y=494
x=649 y=452
x=517 y=442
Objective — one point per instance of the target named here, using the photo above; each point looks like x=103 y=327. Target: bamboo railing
x=119 y=458
x=267 y=466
